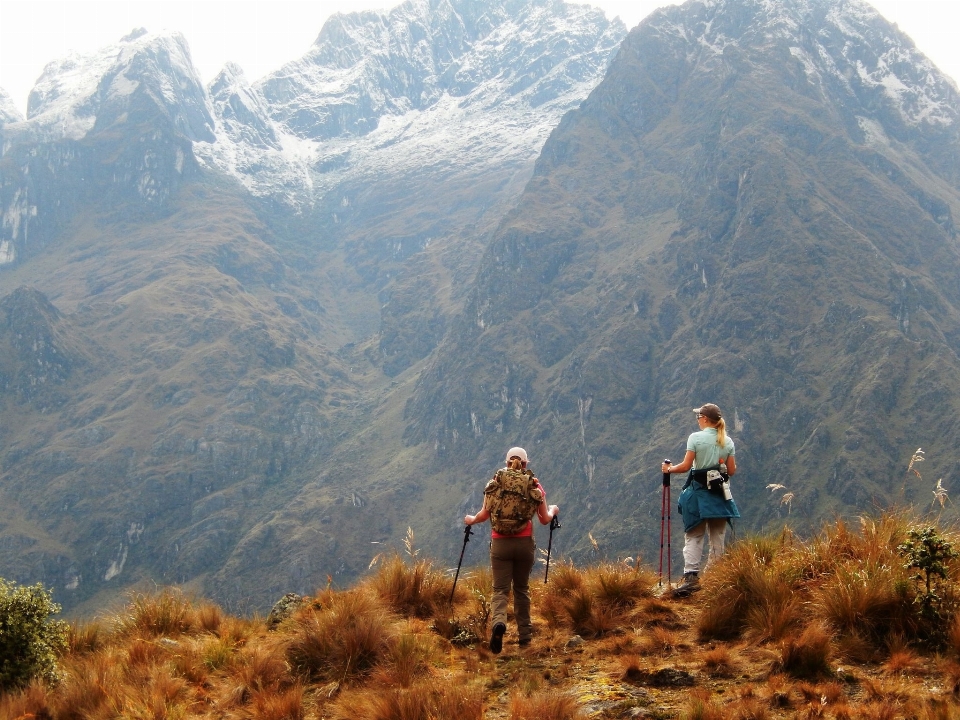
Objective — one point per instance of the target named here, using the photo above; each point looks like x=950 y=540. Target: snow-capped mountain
x=8 y=109
x=844 y=50
x=431 y=85
x=115 y=125
x=80 y=93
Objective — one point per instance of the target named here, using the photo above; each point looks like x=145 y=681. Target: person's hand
x=554 y=511
x=665 y=467
x=469 y=519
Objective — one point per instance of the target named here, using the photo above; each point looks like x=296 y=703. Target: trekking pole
x=554 y=524
x=665 y=518
x=466 y=538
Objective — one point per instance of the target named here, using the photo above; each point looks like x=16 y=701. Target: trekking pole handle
x=555 y=522
x=666 y=475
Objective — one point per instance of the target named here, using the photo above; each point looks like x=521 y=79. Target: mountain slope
x=754 y=208
x=222 y=339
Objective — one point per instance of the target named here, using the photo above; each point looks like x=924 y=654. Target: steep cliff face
x=754 y=208
x=402 y=138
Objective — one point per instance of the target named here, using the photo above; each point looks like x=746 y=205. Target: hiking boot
x=524 y=642
x=690 y=584
x=496 y=639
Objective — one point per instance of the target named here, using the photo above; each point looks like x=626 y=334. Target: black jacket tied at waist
x=700 y=476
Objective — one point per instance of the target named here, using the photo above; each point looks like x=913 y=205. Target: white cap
x=517 y=452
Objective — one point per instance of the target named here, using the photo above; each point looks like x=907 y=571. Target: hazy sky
x=261 y=36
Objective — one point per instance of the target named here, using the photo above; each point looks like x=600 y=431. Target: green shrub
x=29 y=638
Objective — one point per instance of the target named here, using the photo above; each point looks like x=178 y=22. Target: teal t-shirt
x=704 y=444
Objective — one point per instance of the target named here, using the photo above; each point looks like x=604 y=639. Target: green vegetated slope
x=714 y=227
x=158 y=414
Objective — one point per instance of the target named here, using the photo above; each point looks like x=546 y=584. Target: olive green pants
x=511 y=560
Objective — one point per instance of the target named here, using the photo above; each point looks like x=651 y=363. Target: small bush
x=29 y=638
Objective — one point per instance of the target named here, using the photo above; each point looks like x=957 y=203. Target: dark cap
x=710 y=411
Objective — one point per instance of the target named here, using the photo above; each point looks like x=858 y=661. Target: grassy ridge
x=832 y=627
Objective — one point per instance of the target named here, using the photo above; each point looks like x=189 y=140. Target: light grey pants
x=693 y=544
x=511 y=560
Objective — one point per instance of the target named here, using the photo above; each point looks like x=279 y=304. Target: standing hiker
x=510 y=500
x=705 y=501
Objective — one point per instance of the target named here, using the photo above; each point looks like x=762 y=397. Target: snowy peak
x=365 y=66
x=8 y=110
x=120 y=83
x=241 y=109
x=845 y=48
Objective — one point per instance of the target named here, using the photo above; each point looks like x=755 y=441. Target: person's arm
x=731 y=462
x=480 y=517
x=682 y=467
x=546 y=513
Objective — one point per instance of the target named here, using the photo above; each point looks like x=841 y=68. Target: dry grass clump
x=166 y=613
x=808 y=655
x=595 y=600
x=752 y=591
x=856 y=583
x=409 y=654
x=702 y=706
x=718 y=661
x=545 y=706
x=83 y=638
x=340 y=641
x=659 y=640
x=421 y=701
x=414 y=589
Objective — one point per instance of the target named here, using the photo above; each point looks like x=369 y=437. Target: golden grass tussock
x=659 y=640
x=545 y=706
x=166 y=613
x=414 y=589
x=718 y=661
x=421 y=701
x=808 y=654
x=751 y=589
x=409 y=654
x=342 y=640
x=30 y=703
x=595 y=600
x=85 y=637
x=703 y=706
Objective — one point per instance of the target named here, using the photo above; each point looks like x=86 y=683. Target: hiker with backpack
x=705 y=503
x=510 y=500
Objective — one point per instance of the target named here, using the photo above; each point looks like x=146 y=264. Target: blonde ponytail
x=721 y=432
x=515 y=463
